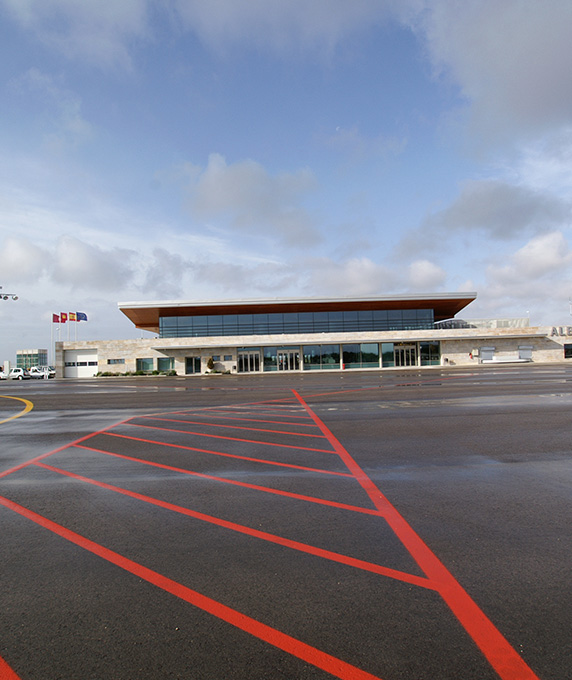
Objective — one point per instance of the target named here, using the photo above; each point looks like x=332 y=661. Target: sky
x=231 y=149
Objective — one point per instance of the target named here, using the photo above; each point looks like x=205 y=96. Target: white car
x=42 y=372
x=19 y=374
x=3 y=376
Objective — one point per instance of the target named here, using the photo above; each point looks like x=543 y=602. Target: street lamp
x=7 y=296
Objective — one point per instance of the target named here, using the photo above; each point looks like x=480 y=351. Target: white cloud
x=239 y=280
x=511 y=59
x=100 y=31
x=358 y=277
x=546 y=255
x=165 y=273
x=284 y=26
x=425 y=275
x=247 y=199
x=82 y=265
x=500 y=210
x=22 y=260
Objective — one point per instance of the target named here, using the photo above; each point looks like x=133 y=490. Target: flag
x=63 y=317
x=81 y=316
x=71 y=316
x=55 y=318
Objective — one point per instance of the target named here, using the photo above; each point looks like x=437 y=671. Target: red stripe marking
x=233 y=427
x=228 y=455
x=263 y=535
x=502 y=657
x=213 y=414
x=330 y=664
x=230 y=439
x=6 y=673
x=258 y=413
x=225 y=480
x=51 y=453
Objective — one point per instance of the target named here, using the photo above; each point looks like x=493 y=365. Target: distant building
x=26 y=358
x=311 y=334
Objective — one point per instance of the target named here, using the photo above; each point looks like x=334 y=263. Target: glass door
x=288 y=360
x=405 y=355
x=248 y=362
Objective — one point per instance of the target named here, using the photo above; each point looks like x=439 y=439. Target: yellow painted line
x=29 y=407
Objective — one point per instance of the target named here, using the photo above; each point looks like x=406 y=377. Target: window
x=525 y=352
x=430 y=353
x=370 y=355
x=387 y=355
x=294 y=322
x=568 y=351
x=312 y=357
x=144 y=364
x=116 y=361
x=365 y=355
x=165 y=363
x=228 y=357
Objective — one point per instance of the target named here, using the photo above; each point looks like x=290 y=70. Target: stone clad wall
x=456 y=346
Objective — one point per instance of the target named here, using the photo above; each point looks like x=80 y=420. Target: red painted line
x=233 y=427
x=255 y=533
x=256 y=487
x=257 y=413
x=500 y=654
x=6 y=673
x=212 y=414
x=230 y=439
x=327 y=662
x=51 y=453
x=229 y=455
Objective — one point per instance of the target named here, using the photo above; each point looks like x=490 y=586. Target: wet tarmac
x=399 y=525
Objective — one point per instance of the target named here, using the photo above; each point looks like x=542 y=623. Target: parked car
x=42 y=372
x=19 y=374
x=3 y=376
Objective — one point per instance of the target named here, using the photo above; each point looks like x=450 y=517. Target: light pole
x=7 y=296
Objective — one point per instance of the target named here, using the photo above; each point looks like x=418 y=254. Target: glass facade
x=364 y=355
x=34 y=357
x=429 y=353
x=320 y=357
x=294 y=322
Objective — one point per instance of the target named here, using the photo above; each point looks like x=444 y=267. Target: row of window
x=294 y=322
x=313 y=357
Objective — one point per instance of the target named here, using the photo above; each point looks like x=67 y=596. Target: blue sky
x=246 y=148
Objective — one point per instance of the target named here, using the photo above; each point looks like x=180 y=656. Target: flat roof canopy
x=145 y=315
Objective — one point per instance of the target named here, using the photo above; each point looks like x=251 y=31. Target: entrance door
x=288 y=360
x=248 y=362
x=192 y=365
x=405 y=355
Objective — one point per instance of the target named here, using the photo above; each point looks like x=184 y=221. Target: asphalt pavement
x=399 y=525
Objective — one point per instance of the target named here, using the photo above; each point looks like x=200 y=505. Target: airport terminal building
x=311 y=334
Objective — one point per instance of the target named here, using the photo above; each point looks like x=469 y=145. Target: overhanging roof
x=145 y=315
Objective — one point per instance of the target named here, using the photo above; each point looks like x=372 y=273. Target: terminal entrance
x=248 y=362
x=405 y=355
x=192 y=365
x=288 y=360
